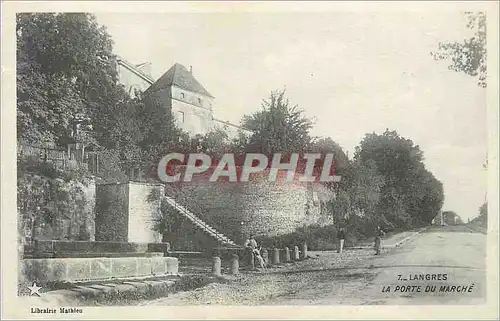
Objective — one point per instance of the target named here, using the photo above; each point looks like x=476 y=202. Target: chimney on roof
x=191 y=70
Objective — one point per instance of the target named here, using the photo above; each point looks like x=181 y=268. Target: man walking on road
x=341 y=238
x=379 y=234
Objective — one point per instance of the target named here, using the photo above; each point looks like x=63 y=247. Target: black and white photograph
x=248 y=155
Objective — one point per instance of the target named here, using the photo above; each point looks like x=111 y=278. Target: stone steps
x=198 y=222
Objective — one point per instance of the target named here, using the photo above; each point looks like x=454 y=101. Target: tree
x=470 y=56
x=452 y=218
x=278 y=128
x=136 y=133
x=281 y=127
x=328 y=145
x=45 y=109
x=395 y=157
x=411 y=195
x=66 y=75
x=481 y=220
x=356 y=205
x=483 y=214
x=483 y=211
x=65 y=72
x=366 y=188
x=428 y=198
x=214 y=143
x=142 y=132
x=358 y=191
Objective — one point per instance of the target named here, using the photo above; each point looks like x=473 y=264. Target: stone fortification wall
x=259 y=208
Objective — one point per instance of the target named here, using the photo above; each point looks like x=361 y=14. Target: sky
x=352 y=72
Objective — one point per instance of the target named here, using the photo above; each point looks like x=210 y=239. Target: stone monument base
x=42 y=271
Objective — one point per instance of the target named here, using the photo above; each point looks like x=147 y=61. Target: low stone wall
x=87 y=246
x=45 y=248
x=41 y=271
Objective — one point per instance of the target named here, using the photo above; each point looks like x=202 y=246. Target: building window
x=181 y=116
x=182 y=95
x=199 y=101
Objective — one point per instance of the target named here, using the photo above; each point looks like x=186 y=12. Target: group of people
x=379 y=235
x=252 y=247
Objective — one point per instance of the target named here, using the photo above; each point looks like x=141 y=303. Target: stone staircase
x=199 y=223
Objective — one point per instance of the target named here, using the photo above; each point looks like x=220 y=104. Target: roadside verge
x=394 y=241
x=120 y=292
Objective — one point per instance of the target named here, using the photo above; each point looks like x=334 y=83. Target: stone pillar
x=296 y=253
x=172 y=265
x=276 y=256
x=216 y=266
x=292 y=254
x=287 y=254
x=265 y=256
x=235 y=264
x=304 y=251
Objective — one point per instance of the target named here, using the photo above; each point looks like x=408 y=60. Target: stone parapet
x=85 y=249
x=90 y=246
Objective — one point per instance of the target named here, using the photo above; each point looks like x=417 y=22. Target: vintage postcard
x=249 y=160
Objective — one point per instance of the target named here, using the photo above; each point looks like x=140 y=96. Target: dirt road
x=450 y=257
x=454 y=258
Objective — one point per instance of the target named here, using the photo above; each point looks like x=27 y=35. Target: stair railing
x=194 y=209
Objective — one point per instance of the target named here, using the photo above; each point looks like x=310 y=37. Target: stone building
x=134 y=77
x=178 y=90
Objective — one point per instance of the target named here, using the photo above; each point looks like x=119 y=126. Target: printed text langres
x=199 y=163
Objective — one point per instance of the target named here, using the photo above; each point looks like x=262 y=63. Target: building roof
x=179 y=76
x=134 y=69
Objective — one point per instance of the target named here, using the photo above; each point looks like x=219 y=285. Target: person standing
x=379 y=234
x=250 y=245
x=341 y=239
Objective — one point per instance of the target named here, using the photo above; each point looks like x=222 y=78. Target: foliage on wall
x=46 y=194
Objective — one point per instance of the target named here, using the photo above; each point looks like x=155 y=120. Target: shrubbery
x=324 y=238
